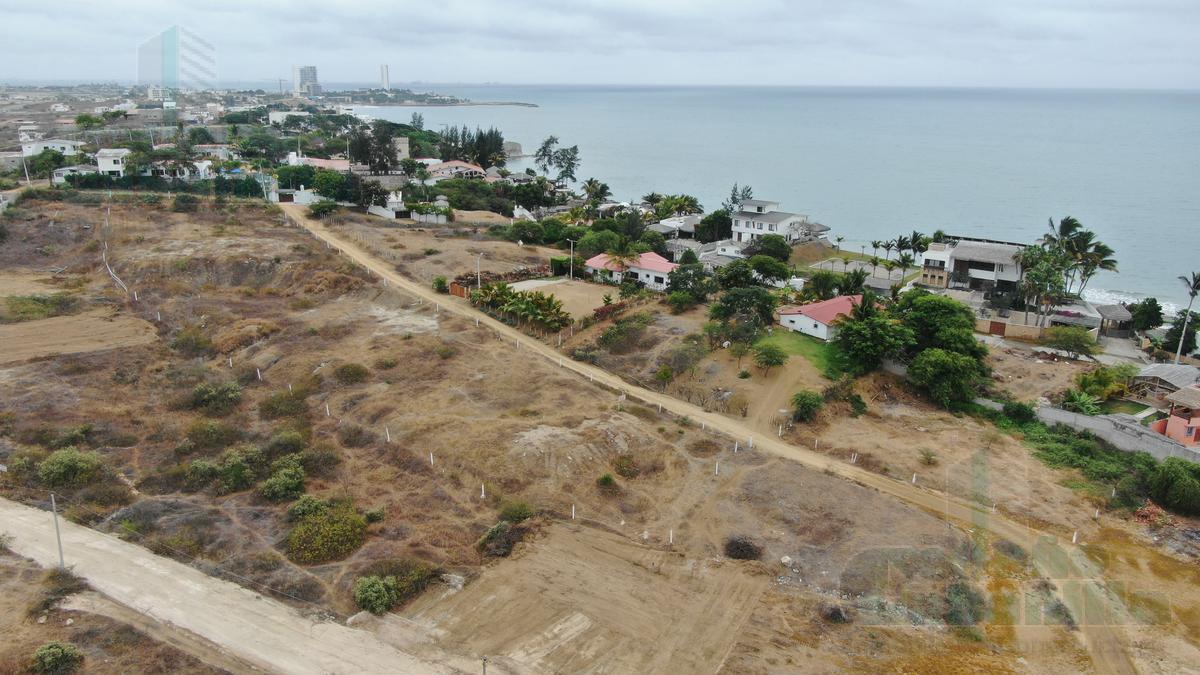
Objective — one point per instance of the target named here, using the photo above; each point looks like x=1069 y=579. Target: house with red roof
x=818 y=318
x=650 y=269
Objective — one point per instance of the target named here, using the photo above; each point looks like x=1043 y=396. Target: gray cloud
x=1086 y=43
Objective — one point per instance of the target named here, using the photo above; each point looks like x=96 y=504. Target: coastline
x=461 y=104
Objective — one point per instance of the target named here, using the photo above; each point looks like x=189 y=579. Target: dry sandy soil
x=638 y=582
x=29 y=618
x=89 y=332
x=579 y=298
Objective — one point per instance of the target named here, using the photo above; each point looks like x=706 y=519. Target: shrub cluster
x=70 y=467
x=286 y=480
x=390 y=584
x=56 y=658
x=217 y=399
x=351 y=373
x=327 y=534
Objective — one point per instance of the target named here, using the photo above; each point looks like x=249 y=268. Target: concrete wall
x=1122 y=432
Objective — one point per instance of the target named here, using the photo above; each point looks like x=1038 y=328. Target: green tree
x=595 y=190
x=322 y=208
x=773 y=245
x=1182 y=341
x=1187 y=344
x=737 y=195
x=1075 y=340
x=768 y=356
x=653 y=241
x=87 y=121
x=45 y=162
x=869 y=340
x=715 y=226
x=691 y=280
x=293 y=177
x=688 y=257
x=1175 y=483
x=329 y=184
x=806 y=404
x=664 y=375
x=739 y=351
x=1147 y=314
x=949 y=378
x=69 y=467
x=938 y=321
x=769 y=269
x=737 y=274
x=597 y=242
x=751 y=304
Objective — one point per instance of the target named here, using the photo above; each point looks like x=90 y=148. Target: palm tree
x=1098 y=258
x=890 y=266
x=875 y=246
x=595 y=190
x=652 y=198
x=874 y=263
x=845 y=263
x=905 y=260
x=903 y=244
x=887 y=249
x=837 y=246
x=1193 y=289
x=918 y=242
x=1059 y=235
x=624 y=255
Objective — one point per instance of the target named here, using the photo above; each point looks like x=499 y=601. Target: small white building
x=111 y=161
x=394 y=207
x=756 y=217
x=817 y=318
x=199 y=170
x=62 y=174
x=67 y=148
x=219 y=151
x=60 y=108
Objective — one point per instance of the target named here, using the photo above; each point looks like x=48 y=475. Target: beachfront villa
x=967 y=263
x=650 y=269
x=756 y=217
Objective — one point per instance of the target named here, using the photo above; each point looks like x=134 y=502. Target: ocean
x=874 y=163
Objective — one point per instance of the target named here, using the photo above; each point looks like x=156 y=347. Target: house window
x=658 y=280
x=815 y=324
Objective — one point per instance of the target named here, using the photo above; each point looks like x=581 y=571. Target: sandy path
x=263 y=632
x=88 y=332
x=1103 y=643
x=28 y=283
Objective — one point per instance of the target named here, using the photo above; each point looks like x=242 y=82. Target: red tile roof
x=648 y=261
x=826 y=311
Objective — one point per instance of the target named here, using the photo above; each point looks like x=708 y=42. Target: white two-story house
x=972 y=264
x=67 y=148
x=111 y=161
x=756 y=217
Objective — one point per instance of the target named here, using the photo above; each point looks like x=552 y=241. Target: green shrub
x=319 y=461
x=441 y=285
x=606 y=482
x=192 y=342
x=351 y=373
x=324 y=536
x=286 y=443
x=354 y=436
x=211 y=435
x=322 y=208
x=515 y=511
x=386 y=363
x=500 y=539
x=626 y=467
x=375 y=515
x=216 y=399
x=284 y=404
x=239 y=469
x=1081 y=402
x=286 y=481
x=306 y=506
x=445 y=351
x=32 y=307
x=1175 y=483
x=200 y=474
x=1019 y=412
x=56 y=658
x=390 y=583
x=69 y=467
x=806 y=405
x=185 y=203
x=964 y=605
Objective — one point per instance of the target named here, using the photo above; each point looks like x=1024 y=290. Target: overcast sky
x=984 y=43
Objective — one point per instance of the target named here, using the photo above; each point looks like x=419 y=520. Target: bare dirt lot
x=579 y=298
x=94 y=331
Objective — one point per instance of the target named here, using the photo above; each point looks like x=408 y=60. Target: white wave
x=1104 y=296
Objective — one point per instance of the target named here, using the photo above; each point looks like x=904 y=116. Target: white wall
x=807 y=325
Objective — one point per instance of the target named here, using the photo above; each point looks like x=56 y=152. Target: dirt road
x=266 y=633
x=1105 y=646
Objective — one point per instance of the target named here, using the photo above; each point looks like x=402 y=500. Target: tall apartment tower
x=304 y=81
x=383 y=78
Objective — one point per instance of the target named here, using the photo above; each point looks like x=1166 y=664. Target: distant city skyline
x=952 y=43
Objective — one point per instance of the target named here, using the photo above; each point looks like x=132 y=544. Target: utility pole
x=30 y=182
x=571 y=262
x=478 y=282
x=62 y=563
x=484 y=665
